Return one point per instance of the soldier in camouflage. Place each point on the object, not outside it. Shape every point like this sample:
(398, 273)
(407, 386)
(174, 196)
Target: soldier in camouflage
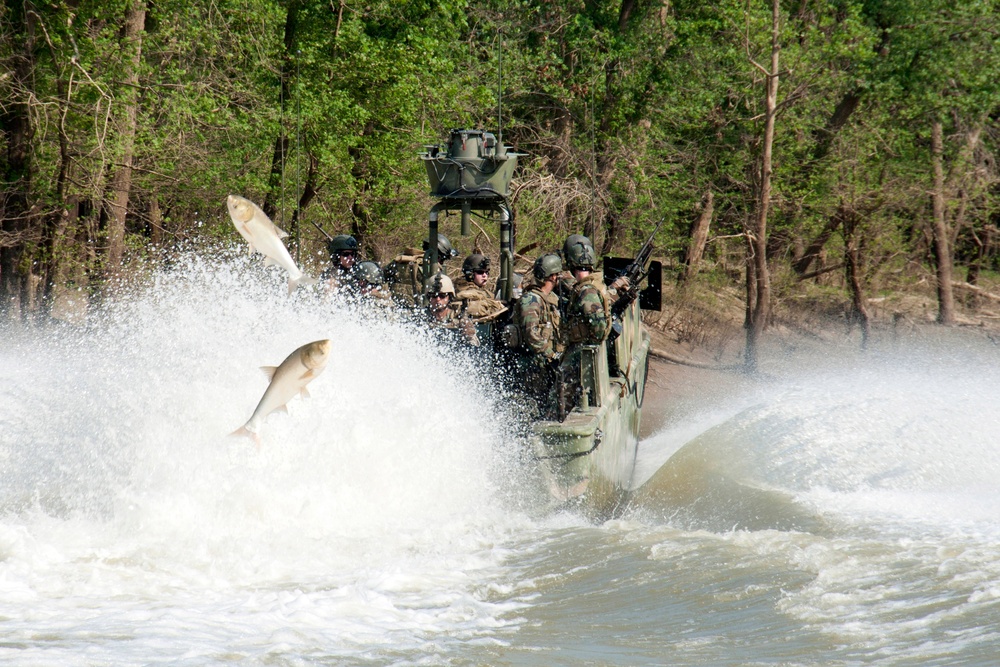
(537, 314)
(368, 288)
(588, 312)
(343, 250)
(442, 317)
(471, 289)
(537, 319)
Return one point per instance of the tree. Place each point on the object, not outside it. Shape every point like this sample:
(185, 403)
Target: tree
(116, 199)
(17, 168)
(758, 275)
(940, 74)
(582, 80)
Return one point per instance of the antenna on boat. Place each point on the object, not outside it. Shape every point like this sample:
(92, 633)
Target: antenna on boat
(500, 85)
(593, 168)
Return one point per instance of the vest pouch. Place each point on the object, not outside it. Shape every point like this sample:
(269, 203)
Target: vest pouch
(511, 336)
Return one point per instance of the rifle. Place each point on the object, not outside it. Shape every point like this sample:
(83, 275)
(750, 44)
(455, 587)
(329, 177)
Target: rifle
(635, 272)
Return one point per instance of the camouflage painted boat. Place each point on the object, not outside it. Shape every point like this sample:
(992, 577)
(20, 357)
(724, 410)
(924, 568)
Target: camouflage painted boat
(587, 454)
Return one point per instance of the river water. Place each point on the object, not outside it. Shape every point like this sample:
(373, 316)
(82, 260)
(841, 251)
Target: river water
(839, 514)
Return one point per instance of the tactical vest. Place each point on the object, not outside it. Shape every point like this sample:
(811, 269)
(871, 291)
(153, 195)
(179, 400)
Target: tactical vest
(548, 320)
(404, 276)
(576, 326)
(477, 301)
(459, 324)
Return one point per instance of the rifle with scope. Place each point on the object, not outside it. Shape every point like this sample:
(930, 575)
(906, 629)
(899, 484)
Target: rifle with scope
(636, 272)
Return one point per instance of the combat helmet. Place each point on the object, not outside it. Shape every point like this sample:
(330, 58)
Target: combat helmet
(579, 253)
(439, 283)
(445, 250)
(341, 243)
(547, 265)
(368, 274)
(475, 262)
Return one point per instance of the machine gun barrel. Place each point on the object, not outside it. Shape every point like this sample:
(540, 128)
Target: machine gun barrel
(636, 273)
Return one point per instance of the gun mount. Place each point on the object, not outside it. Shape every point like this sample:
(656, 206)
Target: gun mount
(472, 171)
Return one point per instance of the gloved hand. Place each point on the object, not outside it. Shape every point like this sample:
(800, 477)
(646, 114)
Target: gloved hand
(621, 283)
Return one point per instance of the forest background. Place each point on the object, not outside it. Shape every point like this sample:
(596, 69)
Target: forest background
(830, 150)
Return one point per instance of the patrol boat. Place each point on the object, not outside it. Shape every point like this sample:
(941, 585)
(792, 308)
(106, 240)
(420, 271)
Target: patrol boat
(585, 453)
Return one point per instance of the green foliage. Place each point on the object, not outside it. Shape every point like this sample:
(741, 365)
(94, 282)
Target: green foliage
(629, 111)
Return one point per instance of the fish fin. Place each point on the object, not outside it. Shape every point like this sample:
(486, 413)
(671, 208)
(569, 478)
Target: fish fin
(308, 280)
(269, 262)
(269, 371)
(282, 234)
(308, 375)
(281, 408)
(244, 431)
(304, 280)
(304, 393)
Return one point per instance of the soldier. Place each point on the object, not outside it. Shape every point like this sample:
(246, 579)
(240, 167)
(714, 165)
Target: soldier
(343, 250)
(368, 278)
(445, 252)
(367, 289)
(404, 274)
(537, 320)
(441, 315)
(588, 311)
(537, 315)
(471, 289)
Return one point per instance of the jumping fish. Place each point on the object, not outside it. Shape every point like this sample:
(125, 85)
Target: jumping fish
(265, 237)
(286, 381)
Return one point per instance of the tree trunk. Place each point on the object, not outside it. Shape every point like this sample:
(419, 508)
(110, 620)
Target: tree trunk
(852, 264)
(825, 137)
(758, 235)
(275, 184)
(815, 247)
(15, 124)
(117, 197)
(699, 237)
(942, 248)
(308, 193)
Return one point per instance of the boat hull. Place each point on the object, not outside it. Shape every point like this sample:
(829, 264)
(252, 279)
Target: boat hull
(589, 457)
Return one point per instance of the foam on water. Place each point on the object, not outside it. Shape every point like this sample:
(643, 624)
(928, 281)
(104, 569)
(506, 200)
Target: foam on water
(909, 435)
(871, 491)
(129, 518)
(848, 515)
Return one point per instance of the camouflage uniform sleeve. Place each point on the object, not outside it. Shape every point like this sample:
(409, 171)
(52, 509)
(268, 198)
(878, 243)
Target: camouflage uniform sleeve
(537, 333)
(591, 310)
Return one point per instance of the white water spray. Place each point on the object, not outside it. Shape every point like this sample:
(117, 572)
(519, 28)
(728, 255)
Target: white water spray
(121, 488)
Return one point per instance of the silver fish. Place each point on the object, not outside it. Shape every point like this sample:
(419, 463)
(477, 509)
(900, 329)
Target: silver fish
(265, 237)
(286, 381)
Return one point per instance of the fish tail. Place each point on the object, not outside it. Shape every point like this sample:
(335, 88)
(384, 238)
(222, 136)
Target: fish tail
(302, 280)
(244, 431)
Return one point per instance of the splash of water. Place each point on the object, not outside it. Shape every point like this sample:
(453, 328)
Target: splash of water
(120, 481)
(909, 434)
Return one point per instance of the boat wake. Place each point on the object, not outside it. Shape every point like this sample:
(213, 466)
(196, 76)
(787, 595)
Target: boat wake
(896, 439)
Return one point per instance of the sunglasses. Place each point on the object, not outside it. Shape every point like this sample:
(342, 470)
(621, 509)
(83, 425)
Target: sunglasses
(440, 295)
(482, 273)
(348, 253)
